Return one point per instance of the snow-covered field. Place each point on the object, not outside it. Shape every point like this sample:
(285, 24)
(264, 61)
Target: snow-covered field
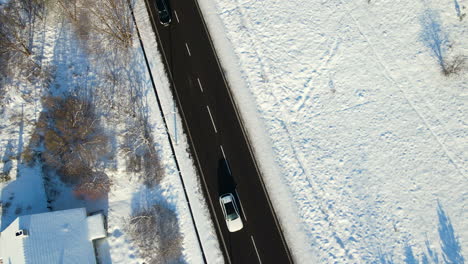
(362, 140)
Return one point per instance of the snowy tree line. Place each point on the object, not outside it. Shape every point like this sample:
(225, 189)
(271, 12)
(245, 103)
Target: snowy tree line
(80, 132)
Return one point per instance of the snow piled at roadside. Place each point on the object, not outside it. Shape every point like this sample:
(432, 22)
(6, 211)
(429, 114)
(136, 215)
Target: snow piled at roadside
(369, 136)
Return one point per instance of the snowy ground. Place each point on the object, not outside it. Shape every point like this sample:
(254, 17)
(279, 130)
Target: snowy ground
(361, 139)
(24, 192)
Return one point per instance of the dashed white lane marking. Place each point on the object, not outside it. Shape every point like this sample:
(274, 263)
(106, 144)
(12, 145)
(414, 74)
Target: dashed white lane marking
(222, 150)
(199, 84)
(212, 120)
(188, 50)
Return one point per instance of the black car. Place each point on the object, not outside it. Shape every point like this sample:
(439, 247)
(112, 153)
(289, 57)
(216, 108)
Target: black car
(164, 12)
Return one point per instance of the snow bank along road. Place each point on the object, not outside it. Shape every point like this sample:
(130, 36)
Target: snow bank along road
(217, 138)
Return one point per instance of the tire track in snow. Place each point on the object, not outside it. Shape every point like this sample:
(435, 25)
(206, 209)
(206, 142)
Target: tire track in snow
(326, 58)
(431, 110)
(300, 178)
(460, 168)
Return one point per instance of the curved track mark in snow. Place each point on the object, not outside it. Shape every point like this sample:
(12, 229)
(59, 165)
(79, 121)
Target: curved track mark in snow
(301, 177)
(459, 167)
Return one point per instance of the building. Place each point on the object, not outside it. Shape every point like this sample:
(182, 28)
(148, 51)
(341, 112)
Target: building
(54, 237)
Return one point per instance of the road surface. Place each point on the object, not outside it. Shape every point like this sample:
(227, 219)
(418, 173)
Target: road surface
(217, 140)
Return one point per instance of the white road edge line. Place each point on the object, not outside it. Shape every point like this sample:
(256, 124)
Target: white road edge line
(212, 120)
(194, 148)
(255, 247)
(199, 84)
(176, 16)
(227, 164)
(242, 207)
(188, 50)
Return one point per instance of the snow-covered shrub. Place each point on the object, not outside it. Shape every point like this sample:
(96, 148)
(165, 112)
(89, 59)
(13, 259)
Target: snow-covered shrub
(139, 147)
(96, 186)
(4, 177)
(28, 156)
(14, 36)
(74, 143)
(114, 20)
(108, 20)
(454, 66)
(17, 22)
(70, 9)
(155, 232)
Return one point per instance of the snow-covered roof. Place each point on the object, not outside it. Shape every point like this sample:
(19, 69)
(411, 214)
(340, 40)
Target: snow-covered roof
(53, 237)
(96, 226)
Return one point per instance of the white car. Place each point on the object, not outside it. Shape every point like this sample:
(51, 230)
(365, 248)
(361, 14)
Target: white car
(230, 212)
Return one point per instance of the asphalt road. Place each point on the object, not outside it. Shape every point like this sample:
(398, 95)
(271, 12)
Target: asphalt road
(217, 138)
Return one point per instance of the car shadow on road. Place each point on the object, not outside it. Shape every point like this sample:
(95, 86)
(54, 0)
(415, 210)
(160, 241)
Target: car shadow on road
(227, 184)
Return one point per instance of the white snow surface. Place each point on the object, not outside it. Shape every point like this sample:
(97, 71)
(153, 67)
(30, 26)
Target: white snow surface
(362, 141)
(96, 227)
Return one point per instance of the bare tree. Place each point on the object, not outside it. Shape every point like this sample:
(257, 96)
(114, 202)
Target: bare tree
(74, 142)
(18, 18)
(156, 233)
(436, 39)
(16, 25)
(96, 186)
(113, 19)
(139, 148)
(14, 37)
(70, 9)
(454, 66)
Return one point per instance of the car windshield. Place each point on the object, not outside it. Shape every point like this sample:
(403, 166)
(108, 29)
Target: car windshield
(230, 211)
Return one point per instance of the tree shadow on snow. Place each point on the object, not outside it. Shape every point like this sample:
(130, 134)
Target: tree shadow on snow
(409, 255)
(433, 37)
(451, 249)
(23, 192)
(6, 159)
(23, 196)
(384, 258)
(449, 243)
